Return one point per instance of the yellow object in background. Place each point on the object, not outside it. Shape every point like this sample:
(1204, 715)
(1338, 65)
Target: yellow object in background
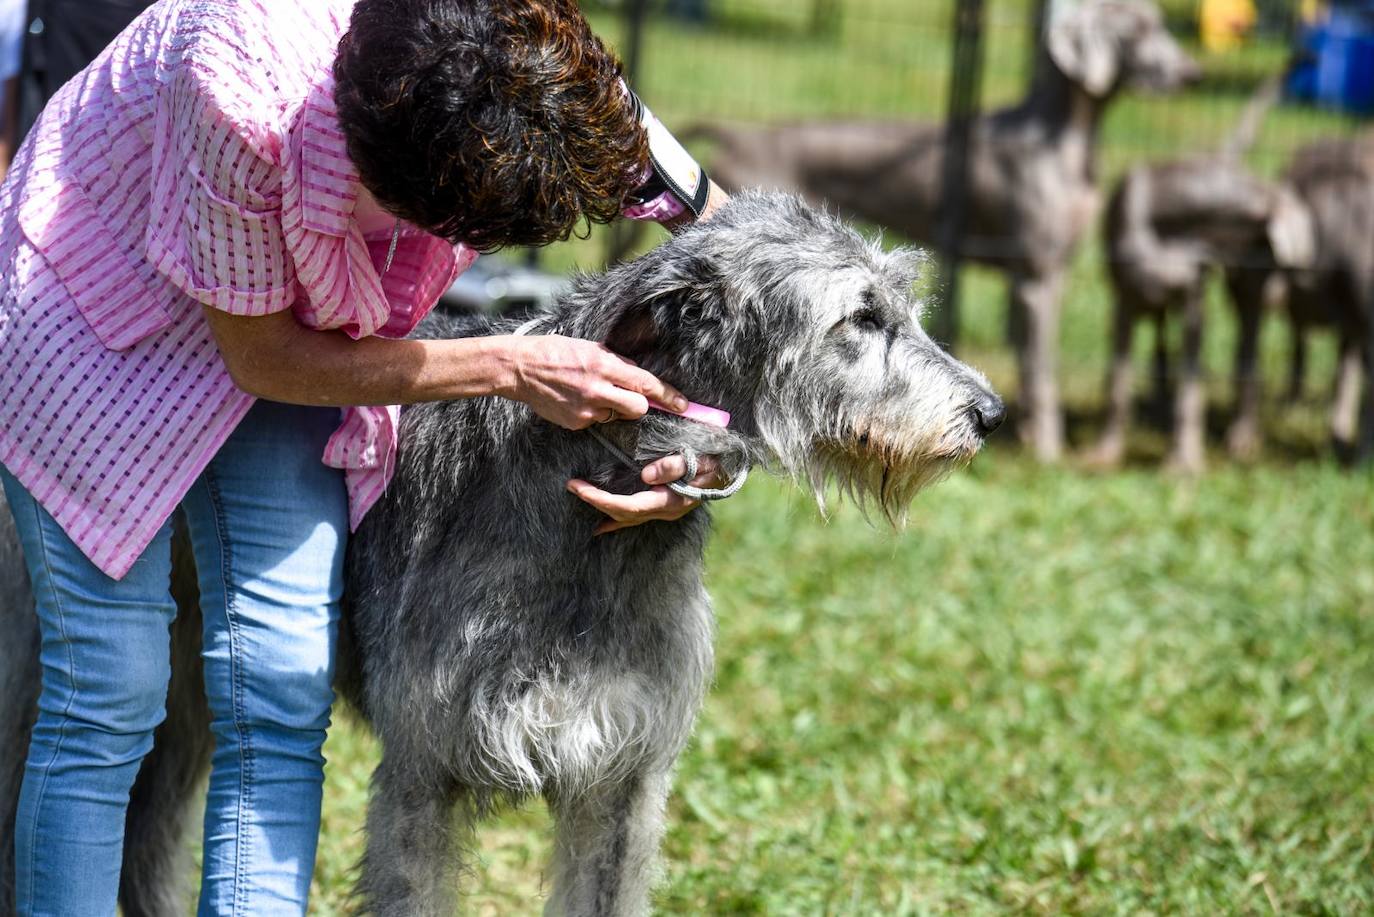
(1223, 24)
(1309, 11)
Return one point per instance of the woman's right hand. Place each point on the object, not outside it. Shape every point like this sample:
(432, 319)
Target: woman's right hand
(575, 383)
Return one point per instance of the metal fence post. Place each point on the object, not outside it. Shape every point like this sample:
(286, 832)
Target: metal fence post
(1039, 15)
(966, 70)
(825, 18)
(636, 14)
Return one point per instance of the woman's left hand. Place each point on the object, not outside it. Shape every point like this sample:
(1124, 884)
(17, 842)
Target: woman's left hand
(656, 503)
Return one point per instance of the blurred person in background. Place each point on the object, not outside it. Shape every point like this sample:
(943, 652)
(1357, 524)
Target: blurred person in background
(12, 26)
(63, 37)
(1224, 24)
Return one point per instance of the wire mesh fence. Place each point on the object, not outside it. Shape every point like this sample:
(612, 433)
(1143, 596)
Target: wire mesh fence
(771, 62)
(768, 61)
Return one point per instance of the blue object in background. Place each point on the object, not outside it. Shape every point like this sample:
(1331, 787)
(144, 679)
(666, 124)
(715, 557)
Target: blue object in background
(1336, 61)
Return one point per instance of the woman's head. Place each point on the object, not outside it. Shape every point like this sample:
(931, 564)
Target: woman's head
(490, 122)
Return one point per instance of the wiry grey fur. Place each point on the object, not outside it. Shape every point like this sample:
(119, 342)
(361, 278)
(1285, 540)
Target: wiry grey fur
(500, 651)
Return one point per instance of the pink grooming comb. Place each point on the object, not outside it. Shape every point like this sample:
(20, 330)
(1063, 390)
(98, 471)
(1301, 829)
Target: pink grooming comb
(701, 413)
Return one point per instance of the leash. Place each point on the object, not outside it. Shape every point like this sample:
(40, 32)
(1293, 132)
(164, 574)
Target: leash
(683, 486)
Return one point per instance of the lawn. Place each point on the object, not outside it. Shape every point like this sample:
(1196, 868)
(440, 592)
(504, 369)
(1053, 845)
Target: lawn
(1054, 691)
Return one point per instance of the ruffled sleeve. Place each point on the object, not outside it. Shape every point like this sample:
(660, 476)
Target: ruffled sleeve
(215, 221)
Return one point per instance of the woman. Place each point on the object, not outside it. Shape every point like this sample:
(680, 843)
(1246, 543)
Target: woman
(209, 244)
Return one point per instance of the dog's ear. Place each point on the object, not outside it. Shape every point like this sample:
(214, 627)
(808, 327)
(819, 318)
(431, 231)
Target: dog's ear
(680, 295)
(634, 334)
(1084, 49)
(908, 267)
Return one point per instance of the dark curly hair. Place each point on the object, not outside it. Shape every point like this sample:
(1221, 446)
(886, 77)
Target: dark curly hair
(489, 122)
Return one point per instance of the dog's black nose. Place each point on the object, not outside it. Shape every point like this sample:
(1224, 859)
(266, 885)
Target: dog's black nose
(988, 414)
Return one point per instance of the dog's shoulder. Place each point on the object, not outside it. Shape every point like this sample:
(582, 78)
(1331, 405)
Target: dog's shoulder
(442, 324)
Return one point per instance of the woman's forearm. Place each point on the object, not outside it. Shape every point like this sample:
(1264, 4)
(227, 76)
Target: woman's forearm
(570, 382)
(276, 358)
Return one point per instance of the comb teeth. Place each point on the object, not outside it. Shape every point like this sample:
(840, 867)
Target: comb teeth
(701, 413)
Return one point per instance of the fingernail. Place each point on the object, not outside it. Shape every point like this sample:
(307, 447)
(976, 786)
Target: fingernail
(680, 404)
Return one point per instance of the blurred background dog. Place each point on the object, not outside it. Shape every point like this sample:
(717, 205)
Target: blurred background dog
(1032, 174)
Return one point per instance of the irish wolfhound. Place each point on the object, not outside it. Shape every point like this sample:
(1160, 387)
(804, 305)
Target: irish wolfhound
(1032, 171)
(500, 651)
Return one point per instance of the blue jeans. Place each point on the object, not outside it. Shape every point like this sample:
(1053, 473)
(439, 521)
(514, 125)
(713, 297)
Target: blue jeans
(268, 525)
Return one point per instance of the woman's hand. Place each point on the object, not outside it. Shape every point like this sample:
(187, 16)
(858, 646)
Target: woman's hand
(657, 503)
(575, 383)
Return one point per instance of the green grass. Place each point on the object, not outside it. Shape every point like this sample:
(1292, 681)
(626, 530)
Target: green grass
(1054, 692)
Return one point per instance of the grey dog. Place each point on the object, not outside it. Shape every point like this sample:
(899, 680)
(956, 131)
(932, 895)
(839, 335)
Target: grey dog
(1335, 180)
(1168, 225)
(502, 652)
(1033, 190)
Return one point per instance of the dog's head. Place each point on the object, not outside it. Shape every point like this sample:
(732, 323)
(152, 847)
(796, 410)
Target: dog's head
(1104, 45)
(811, 337)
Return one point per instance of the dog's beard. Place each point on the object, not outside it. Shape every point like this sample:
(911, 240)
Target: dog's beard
(876, 475)
(876, 463)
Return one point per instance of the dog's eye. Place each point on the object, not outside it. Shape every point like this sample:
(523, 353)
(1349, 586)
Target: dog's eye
(867, 320)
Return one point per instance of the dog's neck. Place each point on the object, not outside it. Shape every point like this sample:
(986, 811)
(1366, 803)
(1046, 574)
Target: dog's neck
(659, 433)
(1070, 114)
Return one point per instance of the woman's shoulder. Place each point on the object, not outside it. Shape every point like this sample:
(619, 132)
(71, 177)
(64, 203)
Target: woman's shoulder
(254, 59)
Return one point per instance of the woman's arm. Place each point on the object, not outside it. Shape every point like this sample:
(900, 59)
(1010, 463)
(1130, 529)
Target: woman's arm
(570, 382)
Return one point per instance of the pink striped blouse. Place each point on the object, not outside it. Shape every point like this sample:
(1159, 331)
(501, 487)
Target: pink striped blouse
(197, 160)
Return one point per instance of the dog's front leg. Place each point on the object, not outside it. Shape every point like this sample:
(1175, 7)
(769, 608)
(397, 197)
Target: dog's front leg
(1247, 293)
(1364, 289)
(1345, 406)
(606, 850)
(1297, 363)
(1190, 400)
(1112, 446)
(1037, 296)
(411, 853)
